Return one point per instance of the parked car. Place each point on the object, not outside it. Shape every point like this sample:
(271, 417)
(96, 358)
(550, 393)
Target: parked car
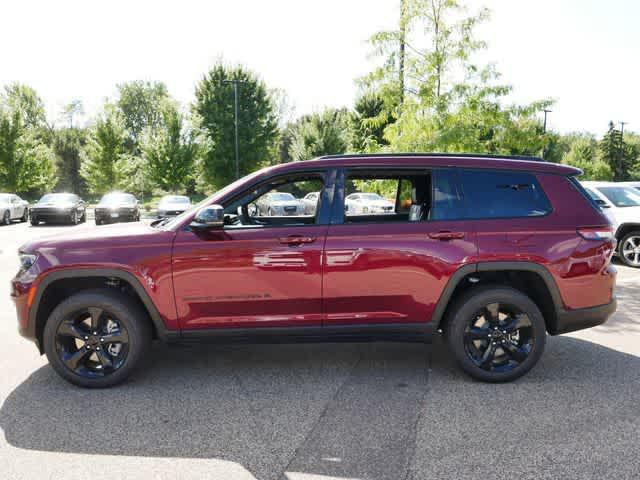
(12, 207)
(117, 207)
(310, 201)
(59, 207)
(635, 185)
(279, 204)
(496, 253)
(172, 205)
(621, 204)
(367, 204)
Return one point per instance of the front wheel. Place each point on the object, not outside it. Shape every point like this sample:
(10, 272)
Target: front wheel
(496, 333)
(6, 217)
(73, 219)
(96, 338)
(629, 249)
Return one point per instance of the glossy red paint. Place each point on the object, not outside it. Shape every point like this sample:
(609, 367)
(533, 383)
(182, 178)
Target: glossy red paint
(342, 274)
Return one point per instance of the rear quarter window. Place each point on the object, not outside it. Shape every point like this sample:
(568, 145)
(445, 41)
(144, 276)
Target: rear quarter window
(502, 194)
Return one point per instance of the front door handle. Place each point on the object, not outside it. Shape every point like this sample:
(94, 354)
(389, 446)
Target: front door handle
(296, 240)
(446, 235)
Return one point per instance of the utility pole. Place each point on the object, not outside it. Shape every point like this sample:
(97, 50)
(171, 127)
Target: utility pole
(403, 34)
(544, 127)
(235, 83)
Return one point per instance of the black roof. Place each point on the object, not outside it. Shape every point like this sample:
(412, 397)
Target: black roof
(432, 155)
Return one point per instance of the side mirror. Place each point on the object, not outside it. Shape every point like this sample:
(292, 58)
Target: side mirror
(211, 216)
(602, 204)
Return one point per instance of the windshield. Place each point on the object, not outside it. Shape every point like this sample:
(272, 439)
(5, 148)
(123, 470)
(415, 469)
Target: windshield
(57, 197)
(282, 196)
(126, 198)
(622, 196)
(175, 199)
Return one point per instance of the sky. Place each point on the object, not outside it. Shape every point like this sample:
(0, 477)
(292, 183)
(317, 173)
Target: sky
(581, 53)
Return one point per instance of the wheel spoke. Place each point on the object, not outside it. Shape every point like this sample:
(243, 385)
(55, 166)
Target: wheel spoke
(491, 313)
(68, 329)
(518, 354)
(105, 359)
(74, 359)
(476, 333)
(487, 357)
(517, 322)
(95, 313)
(115, 337)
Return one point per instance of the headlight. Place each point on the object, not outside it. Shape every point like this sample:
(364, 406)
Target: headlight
(26, 260)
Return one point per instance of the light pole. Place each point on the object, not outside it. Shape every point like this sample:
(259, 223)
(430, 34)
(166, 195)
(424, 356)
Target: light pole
(544, 127)
(235, 83)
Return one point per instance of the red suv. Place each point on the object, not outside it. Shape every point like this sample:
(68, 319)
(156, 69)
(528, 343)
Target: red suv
(493, 252)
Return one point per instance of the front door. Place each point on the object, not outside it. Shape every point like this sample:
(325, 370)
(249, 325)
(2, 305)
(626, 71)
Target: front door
(390, 266)
(264, 268)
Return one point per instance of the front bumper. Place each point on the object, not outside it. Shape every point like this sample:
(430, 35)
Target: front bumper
(581, 318)
(122, 214)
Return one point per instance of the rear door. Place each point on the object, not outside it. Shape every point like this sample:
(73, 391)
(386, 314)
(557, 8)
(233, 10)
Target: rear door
(383, 267)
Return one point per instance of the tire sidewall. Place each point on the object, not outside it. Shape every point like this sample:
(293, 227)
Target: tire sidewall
(623, 259)
(468, 305)
(6, 218)
(127, 312)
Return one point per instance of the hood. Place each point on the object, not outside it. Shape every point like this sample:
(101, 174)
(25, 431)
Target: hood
(115, 205)
(173, 206)
(88, 238)
(379, 203)
(285, 203)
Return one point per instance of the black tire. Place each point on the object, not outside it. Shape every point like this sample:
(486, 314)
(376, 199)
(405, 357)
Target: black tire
(99, 221)
(630, 244)
(114, 306)
(34, 221)
(495, 354)
(25, 215)
(83, 218)
(6, 218)
(73, 218)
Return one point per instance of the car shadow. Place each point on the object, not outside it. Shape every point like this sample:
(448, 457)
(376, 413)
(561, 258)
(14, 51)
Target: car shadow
(346, 410)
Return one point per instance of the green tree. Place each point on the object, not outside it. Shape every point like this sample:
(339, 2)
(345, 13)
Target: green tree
(67, 145)
(141, 104)
(369, 121)
(214, 106)
(319, 134)
(27, 165)
(584, 155)
(618, 154)
(104, 157)
(26, 102)
(170, 151)
(73, 109)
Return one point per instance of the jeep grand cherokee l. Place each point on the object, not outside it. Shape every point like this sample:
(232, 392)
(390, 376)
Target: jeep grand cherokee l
(493, 252)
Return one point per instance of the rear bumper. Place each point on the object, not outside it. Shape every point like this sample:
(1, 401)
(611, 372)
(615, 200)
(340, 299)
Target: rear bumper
(581, 318)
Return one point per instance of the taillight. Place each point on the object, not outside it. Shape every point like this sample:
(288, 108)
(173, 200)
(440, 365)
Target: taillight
(596, 233)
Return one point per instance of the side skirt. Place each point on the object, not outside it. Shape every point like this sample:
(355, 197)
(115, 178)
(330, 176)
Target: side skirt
(414, 333)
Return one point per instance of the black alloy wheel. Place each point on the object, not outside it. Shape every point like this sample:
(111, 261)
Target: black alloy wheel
(496, 333)
(498, 337)
(92, 343)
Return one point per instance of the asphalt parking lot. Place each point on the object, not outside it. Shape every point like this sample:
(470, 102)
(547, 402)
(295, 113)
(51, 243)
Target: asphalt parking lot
(329, 411)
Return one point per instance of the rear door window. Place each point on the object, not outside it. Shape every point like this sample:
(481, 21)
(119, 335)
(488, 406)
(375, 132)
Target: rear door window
(502, 194)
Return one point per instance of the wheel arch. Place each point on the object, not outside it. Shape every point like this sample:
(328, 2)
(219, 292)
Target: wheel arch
(68, 281)
(626, 228)
(532, 279)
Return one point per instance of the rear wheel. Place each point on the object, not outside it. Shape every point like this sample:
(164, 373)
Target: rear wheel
(96, 338)
(496, 333)
(629, 249)
(6, 217)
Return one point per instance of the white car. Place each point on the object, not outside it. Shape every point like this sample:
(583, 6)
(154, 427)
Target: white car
(279, 204)
(310, 201)
(172, 205)
(367, 204)
(621, 204)
(12, 207)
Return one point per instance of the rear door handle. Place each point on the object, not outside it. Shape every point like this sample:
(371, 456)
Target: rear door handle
(446, 235)
(296, 240)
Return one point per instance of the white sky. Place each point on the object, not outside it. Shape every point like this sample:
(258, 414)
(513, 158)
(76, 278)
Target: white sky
(583, 53)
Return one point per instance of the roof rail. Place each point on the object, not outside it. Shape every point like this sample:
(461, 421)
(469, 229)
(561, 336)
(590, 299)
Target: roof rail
(428, 155)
